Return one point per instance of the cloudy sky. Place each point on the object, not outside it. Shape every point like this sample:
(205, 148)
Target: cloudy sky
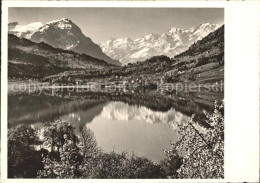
(101, 24)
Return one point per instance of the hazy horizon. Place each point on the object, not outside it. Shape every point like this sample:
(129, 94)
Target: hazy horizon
(101, 24)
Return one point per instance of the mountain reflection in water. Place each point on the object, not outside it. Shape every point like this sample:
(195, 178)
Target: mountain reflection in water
(139, 123)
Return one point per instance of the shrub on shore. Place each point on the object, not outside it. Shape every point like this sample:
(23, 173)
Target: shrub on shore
(199, 153)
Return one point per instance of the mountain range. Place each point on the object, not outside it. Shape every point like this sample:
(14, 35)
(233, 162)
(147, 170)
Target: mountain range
(171, 43)
(203, 60)
(63, 34)
(125, 112)
(30, 59)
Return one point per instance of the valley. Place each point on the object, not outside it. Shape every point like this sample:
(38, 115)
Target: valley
(170, 43)
(202, 63)
(136, 108)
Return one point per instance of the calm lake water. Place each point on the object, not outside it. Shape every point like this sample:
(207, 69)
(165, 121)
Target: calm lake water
(143, 123)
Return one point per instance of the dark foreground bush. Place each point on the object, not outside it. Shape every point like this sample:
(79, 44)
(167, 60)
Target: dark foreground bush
(72, 156)
(125, 166)
(77, 156)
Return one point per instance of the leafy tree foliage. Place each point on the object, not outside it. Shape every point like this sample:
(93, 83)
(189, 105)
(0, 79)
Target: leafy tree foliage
(22, 158)
(199, 153)
(123, 165)
(55, 135)
(83, 159)
(67, 166)
(171, 163)
(202, 149)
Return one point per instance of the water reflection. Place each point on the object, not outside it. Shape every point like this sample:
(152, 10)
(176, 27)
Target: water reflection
(143, 123)
(126, 112)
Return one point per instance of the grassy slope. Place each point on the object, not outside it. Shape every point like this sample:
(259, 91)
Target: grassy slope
(204, 59)
(25, 57)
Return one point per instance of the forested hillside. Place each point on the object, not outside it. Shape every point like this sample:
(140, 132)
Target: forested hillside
(36, 60)
(204, 59)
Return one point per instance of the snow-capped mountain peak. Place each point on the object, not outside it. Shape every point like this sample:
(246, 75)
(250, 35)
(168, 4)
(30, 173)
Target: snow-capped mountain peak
(151, 36)
(26, 30)
(12, 25)
(64, 34)
(62, 24)
(206, 24)
(205, 27)
(125, 40)
(171, 43)
(174, 30)
(59, 20)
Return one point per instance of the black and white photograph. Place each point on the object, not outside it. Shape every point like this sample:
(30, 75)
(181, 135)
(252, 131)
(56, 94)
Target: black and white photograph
(116, 93)
(129, 91)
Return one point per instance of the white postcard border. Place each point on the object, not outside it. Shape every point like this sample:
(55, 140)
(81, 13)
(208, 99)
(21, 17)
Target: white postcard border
(241, 85)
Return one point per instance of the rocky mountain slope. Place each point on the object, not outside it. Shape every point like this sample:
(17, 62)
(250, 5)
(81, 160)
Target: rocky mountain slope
(62, 34)
(12, 26)
(204, 60)
(171, 43)
(30, 59)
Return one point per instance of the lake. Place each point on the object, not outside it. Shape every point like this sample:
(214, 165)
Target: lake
(142, 122)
